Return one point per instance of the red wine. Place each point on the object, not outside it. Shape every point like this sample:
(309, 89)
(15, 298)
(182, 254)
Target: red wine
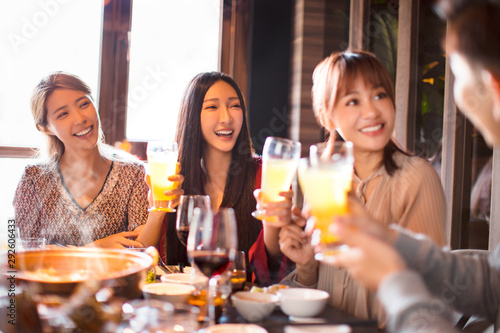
(183, 233)
(211, 263)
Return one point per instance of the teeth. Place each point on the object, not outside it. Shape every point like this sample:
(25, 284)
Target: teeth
(224, 132)
(371, 129)
(85, 131)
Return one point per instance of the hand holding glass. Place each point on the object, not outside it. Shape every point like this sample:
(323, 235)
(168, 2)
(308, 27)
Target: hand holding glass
(326, 178)
(162, 160)
(279, 163)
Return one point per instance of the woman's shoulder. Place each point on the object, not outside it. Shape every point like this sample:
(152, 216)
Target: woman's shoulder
(38, 175)
(129, 166)
(414, 167)
(119, 155)
(39, 169)
(257, 161)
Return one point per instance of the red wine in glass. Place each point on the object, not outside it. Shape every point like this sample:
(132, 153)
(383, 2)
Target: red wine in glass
(211, 245)
(185, 213)
(210, 263)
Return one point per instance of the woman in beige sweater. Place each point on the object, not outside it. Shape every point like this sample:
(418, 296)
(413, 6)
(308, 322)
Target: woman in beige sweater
(353, 96)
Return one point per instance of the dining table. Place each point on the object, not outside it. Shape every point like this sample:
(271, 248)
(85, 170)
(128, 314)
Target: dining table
(277, 322)
(330, 316)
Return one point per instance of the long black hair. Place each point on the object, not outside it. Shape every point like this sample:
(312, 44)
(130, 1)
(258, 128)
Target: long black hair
(240, 182)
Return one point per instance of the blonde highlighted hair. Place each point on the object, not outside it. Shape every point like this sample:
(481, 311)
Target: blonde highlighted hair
(56, 80)
(336, 75)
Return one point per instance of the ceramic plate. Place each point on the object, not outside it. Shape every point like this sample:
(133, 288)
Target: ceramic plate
(184, 278)
(236, 328)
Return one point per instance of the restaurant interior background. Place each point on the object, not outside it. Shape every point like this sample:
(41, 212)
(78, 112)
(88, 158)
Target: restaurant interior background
(138, 57)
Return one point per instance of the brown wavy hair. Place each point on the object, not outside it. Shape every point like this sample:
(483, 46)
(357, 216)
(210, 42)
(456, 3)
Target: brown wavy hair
(335, 76)
(47, 85)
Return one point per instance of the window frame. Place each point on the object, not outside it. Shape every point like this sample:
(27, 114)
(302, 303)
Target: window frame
(456, 165)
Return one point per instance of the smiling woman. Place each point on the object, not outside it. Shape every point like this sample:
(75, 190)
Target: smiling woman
(83, 191)
(353, 96)
(216, 157)
(221, 117)
(32, 47)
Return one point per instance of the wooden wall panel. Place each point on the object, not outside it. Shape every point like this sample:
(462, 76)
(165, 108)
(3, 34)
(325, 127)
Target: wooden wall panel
(308, 50)
(406, 73)
(495, 201)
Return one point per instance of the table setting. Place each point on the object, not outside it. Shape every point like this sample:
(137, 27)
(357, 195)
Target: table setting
(65, 290)
(70, 289)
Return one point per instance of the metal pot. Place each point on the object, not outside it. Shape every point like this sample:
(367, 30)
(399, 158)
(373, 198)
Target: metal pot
(60, 271)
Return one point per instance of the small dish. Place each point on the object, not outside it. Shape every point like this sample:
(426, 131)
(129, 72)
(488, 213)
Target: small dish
(302, 302)
(318, 329)
(170, 292)
(236, 328)
(185, 278)
(254, 306)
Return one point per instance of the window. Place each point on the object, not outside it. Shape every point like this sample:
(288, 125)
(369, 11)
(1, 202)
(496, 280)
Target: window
(39, 37)
(170, 42)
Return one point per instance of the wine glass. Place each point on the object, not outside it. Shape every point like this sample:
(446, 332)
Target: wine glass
(162, 160)
(280, 157)
(212, 244)
(326, 178)
(185, 213)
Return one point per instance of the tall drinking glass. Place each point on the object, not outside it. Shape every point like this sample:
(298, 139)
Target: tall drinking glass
(212, 244)
(325, 178)
(279, 163)
(162, 160)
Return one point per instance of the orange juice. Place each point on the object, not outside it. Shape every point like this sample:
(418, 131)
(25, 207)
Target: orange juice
(161, 167)
(277, 175)
(326, 192)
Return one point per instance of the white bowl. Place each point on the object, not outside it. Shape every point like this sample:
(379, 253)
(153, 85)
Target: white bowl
(236, 328)
(170, 292)
(184, 278)
(302, 302)
(254, 306)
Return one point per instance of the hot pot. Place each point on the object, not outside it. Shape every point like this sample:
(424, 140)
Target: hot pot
(60, 271)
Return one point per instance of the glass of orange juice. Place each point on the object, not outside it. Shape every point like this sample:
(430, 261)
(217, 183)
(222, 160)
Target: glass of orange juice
(326, 178)
(162, 160)
(280, 158)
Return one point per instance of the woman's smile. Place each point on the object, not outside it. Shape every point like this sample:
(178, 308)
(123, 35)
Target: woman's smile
(224, 134)
(221, 117)
(373, 130)
(85, 133)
